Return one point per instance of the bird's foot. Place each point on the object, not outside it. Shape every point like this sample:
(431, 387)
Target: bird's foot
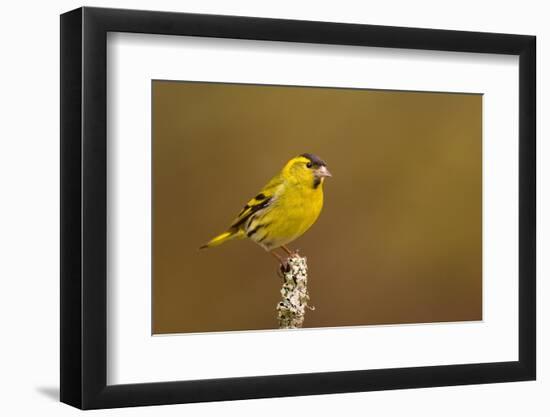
(284, 267)
(290, 252)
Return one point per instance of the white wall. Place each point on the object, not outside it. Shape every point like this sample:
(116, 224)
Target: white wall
(29, 207)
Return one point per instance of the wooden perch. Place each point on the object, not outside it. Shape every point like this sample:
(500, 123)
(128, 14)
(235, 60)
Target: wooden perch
(291, 309)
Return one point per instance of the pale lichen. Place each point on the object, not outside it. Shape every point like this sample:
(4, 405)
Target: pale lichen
(292, 308)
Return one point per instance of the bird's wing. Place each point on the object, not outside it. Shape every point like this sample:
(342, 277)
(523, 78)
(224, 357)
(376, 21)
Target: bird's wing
(263, 199)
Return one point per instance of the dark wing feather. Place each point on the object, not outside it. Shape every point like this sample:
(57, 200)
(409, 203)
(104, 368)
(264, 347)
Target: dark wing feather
(251, 207)
(261, 201)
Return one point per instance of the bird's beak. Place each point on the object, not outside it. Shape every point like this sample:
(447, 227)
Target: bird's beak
(322, 171)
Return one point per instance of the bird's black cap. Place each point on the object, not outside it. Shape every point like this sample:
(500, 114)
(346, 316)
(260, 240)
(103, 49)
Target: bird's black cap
(315, 160)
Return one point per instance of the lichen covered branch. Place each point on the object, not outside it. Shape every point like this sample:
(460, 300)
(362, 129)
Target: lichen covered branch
(292, 308)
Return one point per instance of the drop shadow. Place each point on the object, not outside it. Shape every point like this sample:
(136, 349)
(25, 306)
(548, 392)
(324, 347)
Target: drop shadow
(50, 392)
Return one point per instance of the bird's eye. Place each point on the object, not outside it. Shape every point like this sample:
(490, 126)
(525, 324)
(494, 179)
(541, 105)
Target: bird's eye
(309, 165)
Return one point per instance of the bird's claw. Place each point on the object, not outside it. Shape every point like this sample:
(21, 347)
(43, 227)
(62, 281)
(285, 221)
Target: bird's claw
(284, 267)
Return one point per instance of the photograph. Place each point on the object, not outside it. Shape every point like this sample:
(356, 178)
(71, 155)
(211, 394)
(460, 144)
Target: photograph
(278, 207)
(282, 204)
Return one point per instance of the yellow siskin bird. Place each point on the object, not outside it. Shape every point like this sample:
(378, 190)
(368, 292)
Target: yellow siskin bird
(284, 209)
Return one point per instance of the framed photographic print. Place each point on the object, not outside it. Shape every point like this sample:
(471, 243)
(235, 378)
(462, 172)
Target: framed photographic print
(258, 207)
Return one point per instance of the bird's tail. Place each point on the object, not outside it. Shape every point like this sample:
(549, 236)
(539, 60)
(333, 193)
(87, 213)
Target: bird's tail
(218, 240)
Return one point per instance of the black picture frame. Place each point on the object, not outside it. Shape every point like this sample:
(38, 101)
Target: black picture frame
(84, 207)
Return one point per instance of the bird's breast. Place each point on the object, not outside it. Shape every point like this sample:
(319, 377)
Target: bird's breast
(290, 216)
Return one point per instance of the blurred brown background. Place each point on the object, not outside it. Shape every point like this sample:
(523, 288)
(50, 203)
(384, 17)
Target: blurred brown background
(399, 238)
